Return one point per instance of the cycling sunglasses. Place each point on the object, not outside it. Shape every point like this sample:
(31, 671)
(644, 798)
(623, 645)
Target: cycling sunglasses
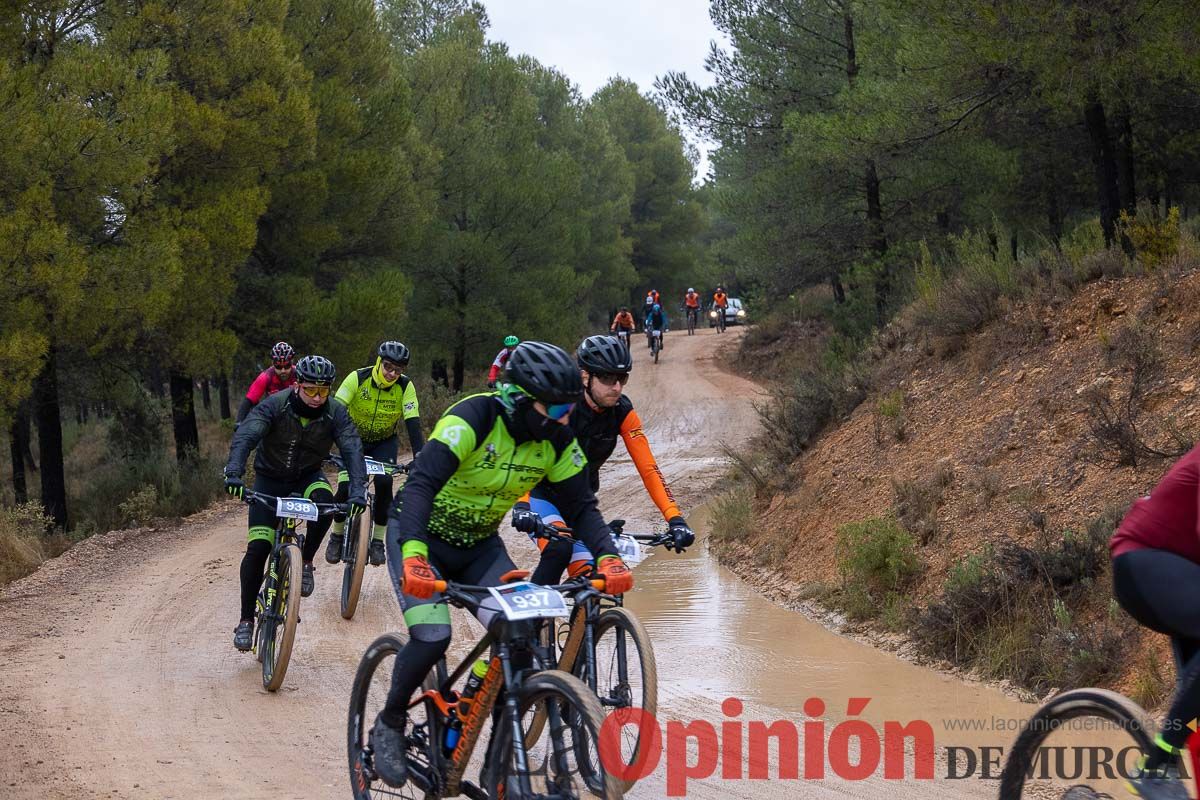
(315, 391)
(559, 410)
(283, 364)
(612, 378)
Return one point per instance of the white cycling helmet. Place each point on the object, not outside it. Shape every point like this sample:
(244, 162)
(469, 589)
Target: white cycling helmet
(690, 289)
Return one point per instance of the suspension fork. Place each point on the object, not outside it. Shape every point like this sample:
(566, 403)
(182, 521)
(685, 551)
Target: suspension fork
(512, 711)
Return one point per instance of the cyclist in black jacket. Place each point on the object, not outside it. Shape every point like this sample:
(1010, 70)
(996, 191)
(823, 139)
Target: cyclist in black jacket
(294, 430)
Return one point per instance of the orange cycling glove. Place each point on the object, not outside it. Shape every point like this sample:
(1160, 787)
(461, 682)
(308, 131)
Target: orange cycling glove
(419, 580)
(617, 577)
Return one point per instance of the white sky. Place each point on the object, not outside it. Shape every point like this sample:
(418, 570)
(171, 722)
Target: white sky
(590, 41)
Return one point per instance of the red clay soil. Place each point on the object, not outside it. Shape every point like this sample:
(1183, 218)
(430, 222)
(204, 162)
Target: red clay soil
(1006, 412)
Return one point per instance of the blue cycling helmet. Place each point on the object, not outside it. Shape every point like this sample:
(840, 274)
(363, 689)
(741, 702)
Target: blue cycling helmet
(657, 307)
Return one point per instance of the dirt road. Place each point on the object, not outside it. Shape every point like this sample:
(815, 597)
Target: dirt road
(118, 678)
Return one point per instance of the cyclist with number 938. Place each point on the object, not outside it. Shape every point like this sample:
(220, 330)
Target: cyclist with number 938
(485, 452)
(293, 431)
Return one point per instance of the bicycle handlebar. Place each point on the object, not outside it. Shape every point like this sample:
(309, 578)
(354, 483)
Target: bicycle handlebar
(250, 497)
(390, 467)
(461, 594)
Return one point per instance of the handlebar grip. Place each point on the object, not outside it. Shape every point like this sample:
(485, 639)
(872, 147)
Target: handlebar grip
(441, 585)
(598, 584)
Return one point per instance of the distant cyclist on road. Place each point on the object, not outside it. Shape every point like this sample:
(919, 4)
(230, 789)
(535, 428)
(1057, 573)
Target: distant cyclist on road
(604, 415)
(623, 321)
(691, 305)
(378, 397)
(1156, 579)
(293, 432)
(276, 378)
(510, 342)
(484, 454)
(652, 297)
(656, 320)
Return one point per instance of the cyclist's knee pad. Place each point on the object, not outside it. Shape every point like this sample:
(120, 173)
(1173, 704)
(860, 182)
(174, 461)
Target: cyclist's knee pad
(431, 635)
(258, 548)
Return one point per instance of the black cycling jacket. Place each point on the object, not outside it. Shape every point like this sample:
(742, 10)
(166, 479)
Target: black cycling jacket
(291, 446)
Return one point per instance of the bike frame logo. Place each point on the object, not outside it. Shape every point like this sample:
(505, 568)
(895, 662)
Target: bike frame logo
(695, 749)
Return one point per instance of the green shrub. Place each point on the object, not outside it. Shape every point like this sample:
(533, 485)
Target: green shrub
(970, 290)
(1155, 238)
(732, 515)
(1011, 612)
(890, 419)
(877, 554)
(140, 506)
(22, 540)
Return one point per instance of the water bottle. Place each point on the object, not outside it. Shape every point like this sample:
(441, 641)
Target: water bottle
(474, 681)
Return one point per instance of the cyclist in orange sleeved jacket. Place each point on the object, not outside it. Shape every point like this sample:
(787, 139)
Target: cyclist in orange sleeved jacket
(623, 321)
(605, 415)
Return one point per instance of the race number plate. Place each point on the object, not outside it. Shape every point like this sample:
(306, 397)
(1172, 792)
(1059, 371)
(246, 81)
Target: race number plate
(375, 468)
(629, 549)
(296, 508)
(526, 600)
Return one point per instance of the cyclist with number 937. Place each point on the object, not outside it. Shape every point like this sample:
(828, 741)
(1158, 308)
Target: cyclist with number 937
(293, 431)
(485, 452)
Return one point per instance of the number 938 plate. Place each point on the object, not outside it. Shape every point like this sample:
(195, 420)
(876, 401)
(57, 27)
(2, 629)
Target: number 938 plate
(525, 600)
(296, 508)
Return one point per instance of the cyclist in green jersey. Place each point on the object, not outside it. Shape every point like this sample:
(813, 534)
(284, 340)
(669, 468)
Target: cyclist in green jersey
(378, 398)
(486, 451)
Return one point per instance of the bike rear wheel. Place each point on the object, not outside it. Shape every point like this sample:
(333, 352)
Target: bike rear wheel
(368, 693)
(358, 535)
(1125, 719)
(573, 721)
(278, 631)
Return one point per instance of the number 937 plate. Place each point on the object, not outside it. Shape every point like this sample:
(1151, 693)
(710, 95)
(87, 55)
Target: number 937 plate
(526, 600)
(296, 508)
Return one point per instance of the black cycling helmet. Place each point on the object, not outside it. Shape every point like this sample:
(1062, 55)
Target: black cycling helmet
(315, 369)
(604, 354)
(395, 352)
(544, 371)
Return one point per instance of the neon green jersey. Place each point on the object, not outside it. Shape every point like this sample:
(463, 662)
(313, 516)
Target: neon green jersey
(493, 470)
(375, 409)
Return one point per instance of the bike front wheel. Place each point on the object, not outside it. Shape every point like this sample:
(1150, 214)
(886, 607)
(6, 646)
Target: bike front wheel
(626, 679)
(358, 542)
(368, 693)
(1105, 718)
(277, 632)
(552, 764)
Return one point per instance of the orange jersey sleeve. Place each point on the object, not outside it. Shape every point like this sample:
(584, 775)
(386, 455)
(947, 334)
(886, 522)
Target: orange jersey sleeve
(647, 467)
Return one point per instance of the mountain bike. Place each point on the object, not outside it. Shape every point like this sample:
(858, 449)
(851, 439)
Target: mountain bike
(606, 647)
(1102, 715)
(623, 335)
(656, 343)
(692, 313)
(357, 540)
(277, 609)
(440, 740)
(719, 318)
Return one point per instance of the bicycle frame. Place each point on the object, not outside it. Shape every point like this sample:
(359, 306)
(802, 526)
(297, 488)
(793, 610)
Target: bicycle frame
(446, 772)
(286, 533)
